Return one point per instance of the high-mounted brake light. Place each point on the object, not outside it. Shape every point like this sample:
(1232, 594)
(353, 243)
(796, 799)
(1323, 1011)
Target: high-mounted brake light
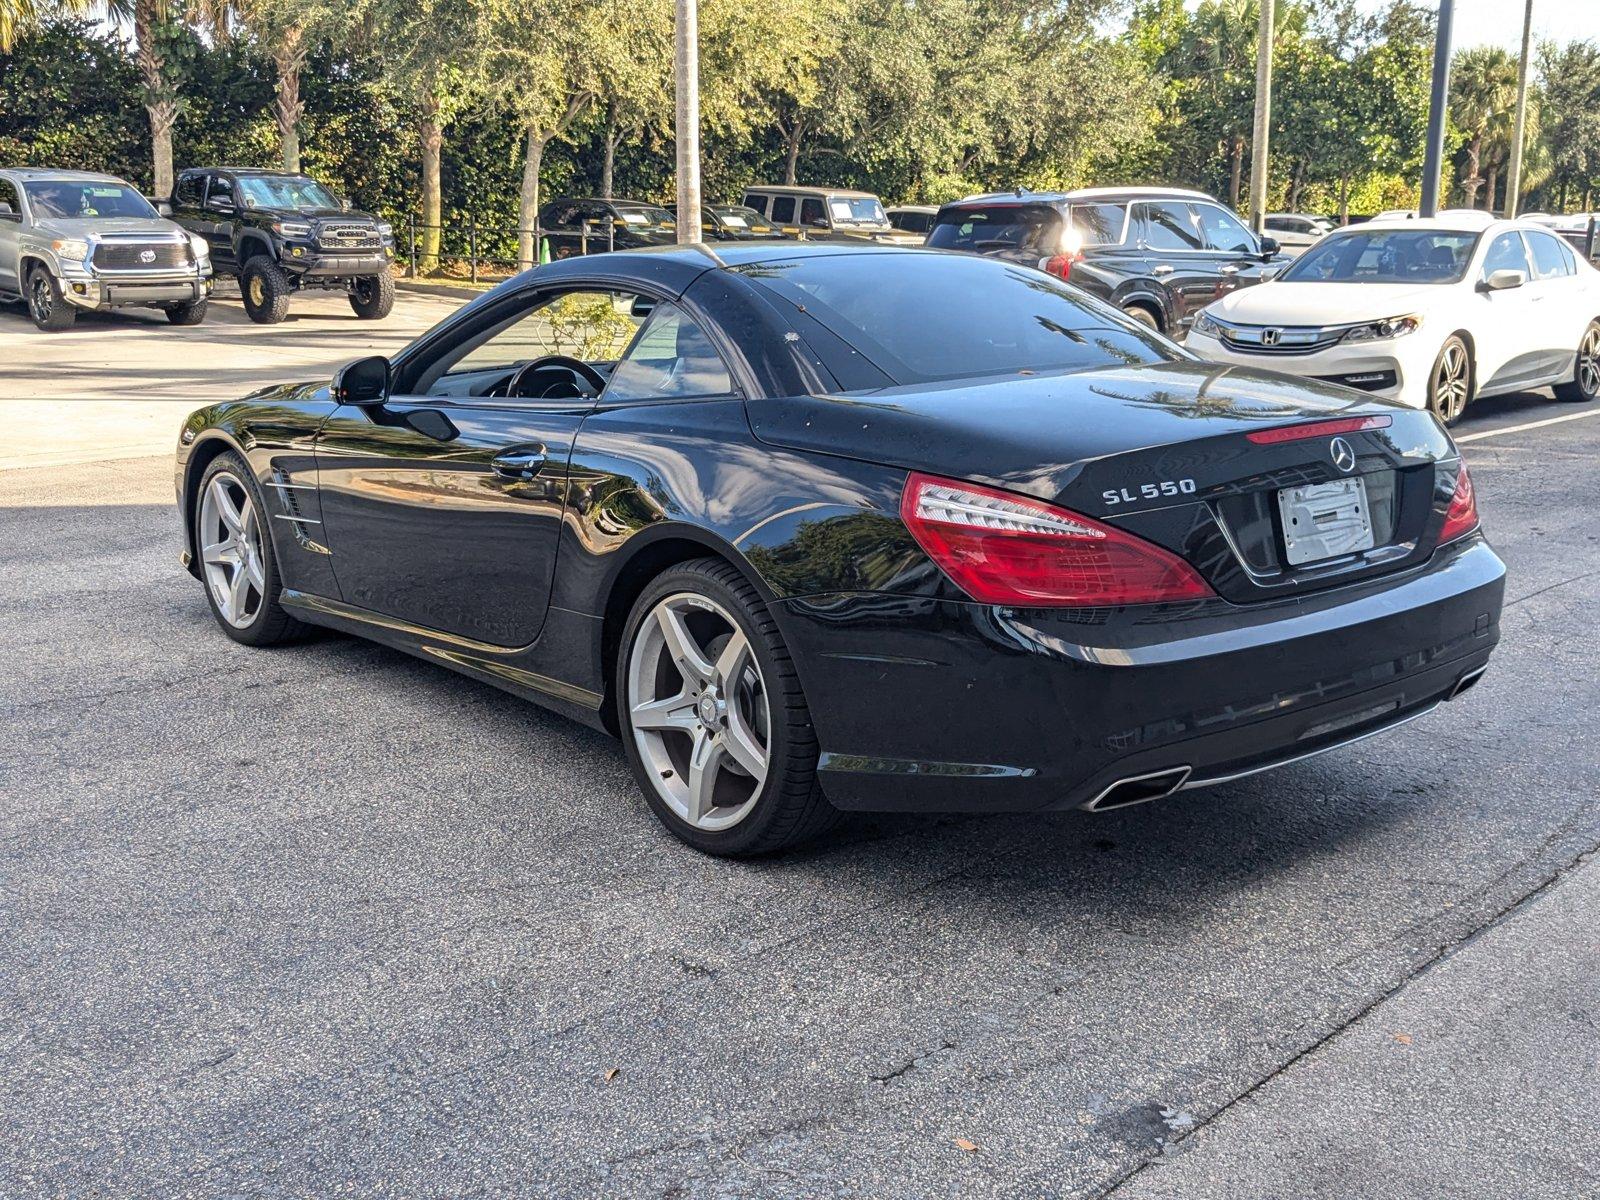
(1295, 433)
(1462, 516)
(1001, 548)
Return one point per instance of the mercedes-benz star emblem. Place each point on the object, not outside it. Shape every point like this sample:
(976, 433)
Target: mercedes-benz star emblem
(1343, 456)
(147, 256)
(1269, 337)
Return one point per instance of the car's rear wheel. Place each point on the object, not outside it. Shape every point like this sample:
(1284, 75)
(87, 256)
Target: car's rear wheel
(265, 289)
(713, 717)
(49, 311)
(372, 296)
(1450, 383)
(1142, 315)
(1584, 385)
(235, 555)
(191, 313)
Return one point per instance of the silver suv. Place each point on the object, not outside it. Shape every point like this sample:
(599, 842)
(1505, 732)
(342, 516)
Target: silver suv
(73, 240)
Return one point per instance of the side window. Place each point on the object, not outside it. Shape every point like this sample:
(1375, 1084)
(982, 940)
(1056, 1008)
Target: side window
(10, 201)
(1506, 253)
(189, 190)
(561, 216)
(756, 201)
(671, 359)
(219, 188)
(811, 211)
(1569, 255)
(783, 210)
(1548, 261)
(1222, 231)
(1169, 227)
(592, 326)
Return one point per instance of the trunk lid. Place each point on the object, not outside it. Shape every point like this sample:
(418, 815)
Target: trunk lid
(1163, 451)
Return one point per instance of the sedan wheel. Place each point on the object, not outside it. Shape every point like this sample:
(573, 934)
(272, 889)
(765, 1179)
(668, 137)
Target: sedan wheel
(1450, 387)
(1585, 382)
(698, 706)
(713, 716)
(230, 550)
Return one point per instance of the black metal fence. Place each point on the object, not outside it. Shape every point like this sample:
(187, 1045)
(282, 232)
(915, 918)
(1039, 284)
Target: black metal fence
(477, 250)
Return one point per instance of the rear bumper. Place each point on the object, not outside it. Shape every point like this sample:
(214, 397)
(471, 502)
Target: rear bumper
(929, 705)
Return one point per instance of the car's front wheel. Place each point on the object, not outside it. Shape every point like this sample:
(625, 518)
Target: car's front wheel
(265, 289)
(235, 555)
(713, 718)
(191, 313)
(372, 296)
(1450, 383)
(1585, 382)
(50, 312)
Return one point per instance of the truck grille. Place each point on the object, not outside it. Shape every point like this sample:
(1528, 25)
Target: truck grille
(136, 256)
(349, 237)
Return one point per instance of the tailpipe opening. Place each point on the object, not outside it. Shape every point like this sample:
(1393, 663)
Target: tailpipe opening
(1137, 789)
(1466, 682)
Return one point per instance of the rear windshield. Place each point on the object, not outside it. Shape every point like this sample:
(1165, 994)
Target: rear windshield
(922, 317)
(1386, 256)
(1000, 227)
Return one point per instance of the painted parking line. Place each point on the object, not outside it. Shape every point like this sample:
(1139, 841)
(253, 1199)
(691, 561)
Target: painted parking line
(1489, 433)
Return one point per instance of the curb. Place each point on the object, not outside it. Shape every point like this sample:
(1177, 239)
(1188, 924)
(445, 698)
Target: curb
(438, 289)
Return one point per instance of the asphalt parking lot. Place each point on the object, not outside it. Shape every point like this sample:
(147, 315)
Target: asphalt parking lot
(327, 921)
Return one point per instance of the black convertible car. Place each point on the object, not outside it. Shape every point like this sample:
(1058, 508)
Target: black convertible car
(826, 527)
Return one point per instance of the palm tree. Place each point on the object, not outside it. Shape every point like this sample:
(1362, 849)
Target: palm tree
(1483, 101)
(18, 16)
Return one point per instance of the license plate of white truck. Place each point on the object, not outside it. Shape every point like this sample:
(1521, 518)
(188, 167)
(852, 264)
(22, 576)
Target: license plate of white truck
(1325, 520)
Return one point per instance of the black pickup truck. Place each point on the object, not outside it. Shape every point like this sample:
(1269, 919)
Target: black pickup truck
(280, 234)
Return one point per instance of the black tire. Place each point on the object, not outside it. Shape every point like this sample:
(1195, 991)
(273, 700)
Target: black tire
(264, 288)
(790, 807)
(271, 624)
(1584, 385)
(1143, 315)
(372, 296)
(49, 311)
(1450, 382)
(191, 313)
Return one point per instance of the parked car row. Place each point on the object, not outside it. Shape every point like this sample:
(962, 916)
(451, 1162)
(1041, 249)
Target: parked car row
(80, 241)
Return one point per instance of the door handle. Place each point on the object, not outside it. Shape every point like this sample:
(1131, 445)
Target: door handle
(518, 462)
(1161, 269)
(1229, 269)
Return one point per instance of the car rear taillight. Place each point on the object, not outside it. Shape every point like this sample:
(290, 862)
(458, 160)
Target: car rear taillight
(1299, 433)
(1059, 265)
(1462, 516)
(1002, 548)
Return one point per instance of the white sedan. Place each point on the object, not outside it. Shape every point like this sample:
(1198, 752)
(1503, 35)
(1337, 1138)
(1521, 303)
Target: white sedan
(1430, 312)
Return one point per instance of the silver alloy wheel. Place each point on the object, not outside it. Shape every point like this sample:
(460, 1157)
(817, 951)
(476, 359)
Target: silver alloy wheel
(698, 707)
(229, 537)
(1451, 379)
(40, 298)
(1589, 362)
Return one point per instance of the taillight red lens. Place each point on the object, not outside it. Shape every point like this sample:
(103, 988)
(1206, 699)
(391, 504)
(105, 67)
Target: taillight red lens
(1059, 265)
(1462, 516)
(1001, 548)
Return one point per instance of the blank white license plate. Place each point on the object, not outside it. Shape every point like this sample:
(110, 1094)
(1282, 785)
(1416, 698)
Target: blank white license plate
(1325, 520)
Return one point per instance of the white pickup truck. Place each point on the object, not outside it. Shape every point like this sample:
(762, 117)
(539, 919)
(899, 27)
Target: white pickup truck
(75, 240)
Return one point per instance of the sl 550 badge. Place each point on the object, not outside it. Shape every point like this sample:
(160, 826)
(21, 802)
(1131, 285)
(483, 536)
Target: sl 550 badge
(1149, 491)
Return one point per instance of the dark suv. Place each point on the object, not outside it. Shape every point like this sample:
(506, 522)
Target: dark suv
(281, 233)
(587, 226)
(1159, 254)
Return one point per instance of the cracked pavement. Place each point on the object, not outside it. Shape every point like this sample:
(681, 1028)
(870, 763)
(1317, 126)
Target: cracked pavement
(329, 921)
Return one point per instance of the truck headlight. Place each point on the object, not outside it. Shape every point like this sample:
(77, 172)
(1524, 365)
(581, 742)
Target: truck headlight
(1389, 327)
(200, 248)
(296, 230)
(385, 230)
(71, 249)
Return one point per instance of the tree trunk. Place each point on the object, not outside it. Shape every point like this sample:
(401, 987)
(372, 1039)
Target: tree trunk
(608, 165)
(1235, 170)
(1344, 200)
(160, 101)
(287, 58)
(528, 207)
(1473, 180)
(791, 160)
(1493, 182)
(432, 138)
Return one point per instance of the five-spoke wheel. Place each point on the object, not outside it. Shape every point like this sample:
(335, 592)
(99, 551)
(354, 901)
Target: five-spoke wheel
(1450, 386)
(1584, 385)
(230, 550)
(713, 716)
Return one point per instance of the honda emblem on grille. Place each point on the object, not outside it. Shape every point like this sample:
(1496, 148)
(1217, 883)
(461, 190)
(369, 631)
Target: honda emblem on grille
(147, 256)
(1269, 337)
(1343, 456)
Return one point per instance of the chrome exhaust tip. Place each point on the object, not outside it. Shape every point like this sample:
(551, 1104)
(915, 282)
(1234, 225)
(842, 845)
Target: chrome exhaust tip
(1138, 789)
(1466, 682)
